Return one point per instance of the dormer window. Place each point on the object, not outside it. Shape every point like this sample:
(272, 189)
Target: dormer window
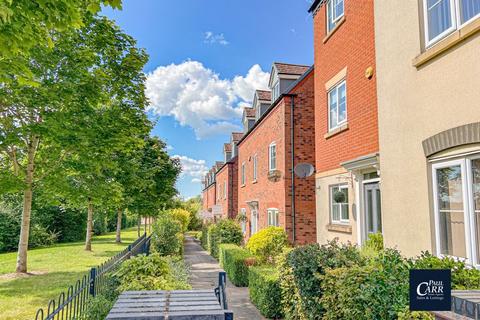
(335, 11)
(276, 91)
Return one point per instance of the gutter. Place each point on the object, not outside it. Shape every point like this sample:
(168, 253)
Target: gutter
(292, 152)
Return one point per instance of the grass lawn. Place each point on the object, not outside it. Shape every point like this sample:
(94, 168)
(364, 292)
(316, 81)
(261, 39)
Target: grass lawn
(59, 266)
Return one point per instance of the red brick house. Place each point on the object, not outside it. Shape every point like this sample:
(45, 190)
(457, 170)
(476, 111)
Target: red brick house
(227, 184)
(265, 154)
(209, 194)
(346, 122)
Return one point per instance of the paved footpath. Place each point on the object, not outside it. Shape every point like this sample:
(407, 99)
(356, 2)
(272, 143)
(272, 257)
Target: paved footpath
(204, 275)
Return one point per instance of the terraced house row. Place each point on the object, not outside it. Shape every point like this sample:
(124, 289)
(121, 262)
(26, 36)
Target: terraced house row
(389, 118)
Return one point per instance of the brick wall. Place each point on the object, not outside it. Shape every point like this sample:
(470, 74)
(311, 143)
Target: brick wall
(304, 152)
(228, 200)
(269, 194)
(352, 46)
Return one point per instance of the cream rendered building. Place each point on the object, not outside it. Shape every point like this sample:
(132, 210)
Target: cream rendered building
(428, 71)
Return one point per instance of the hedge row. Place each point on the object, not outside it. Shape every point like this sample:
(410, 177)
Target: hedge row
(265, 293)
(233, 259)
(224, 231)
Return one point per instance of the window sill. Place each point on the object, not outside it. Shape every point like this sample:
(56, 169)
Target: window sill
(254, 181)
(337, 26)
(336, 227)
(243, 185)
(336, 131)
(446, 43)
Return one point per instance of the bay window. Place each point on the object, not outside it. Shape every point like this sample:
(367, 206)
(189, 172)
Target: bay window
(456, 187)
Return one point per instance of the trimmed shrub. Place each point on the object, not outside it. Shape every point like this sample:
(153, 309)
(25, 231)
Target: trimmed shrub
(167, 238)
(301, 276)
(378, 290)
(204, 237)
(224, 231)
(265, 293)
(182, 216)
(463, 278)
(97, 308)
(151, 272)
(267, 244)
(41, 237)
(232, 259)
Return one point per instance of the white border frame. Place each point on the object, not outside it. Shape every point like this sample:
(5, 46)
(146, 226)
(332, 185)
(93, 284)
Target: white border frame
(340, 186)
(243, 174)
(468, 245)
(335, 87)
(273, 144)
(254, 168)
(277, 212)
(455, 20)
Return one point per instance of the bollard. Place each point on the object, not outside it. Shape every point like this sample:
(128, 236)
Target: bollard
(93, 275)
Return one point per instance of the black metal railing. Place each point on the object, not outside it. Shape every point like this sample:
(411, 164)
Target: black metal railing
(221, 293)
(73, 304)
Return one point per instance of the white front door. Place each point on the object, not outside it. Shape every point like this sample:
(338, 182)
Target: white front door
(372, 208)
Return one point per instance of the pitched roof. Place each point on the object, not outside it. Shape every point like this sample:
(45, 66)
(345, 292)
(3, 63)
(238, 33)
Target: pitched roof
(287, 68)
(315, 4)
(264, 95)
(237, 136)
(249, 112)
(227, 147)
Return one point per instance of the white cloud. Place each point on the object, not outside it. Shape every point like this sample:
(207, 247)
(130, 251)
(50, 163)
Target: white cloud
(169, 147)
(197, 97)
(212, 38)
(195, 169)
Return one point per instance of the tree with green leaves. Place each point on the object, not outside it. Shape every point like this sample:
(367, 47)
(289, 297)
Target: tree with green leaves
(89, 73)
(26, 25)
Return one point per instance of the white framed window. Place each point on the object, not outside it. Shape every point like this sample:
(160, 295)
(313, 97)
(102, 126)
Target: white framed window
(272, 156)
(243, 174)
(337, 105)
(225, 189)
(276, 91)
(441, 17)
(335, 11)
(456, 194)
(272, 215)
(243, 224)
(253, 222)
(339, 207)
(254, 164)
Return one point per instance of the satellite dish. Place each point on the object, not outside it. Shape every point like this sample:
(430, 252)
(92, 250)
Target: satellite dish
(303, 170)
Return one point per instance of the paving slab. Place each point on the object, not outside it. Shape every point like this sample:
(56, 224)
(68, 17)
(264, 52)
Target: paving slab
(204, 271)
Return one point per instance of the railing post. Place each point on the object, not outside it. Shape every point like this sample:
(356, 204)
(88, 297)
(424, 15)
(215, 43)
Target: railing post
(93, 275)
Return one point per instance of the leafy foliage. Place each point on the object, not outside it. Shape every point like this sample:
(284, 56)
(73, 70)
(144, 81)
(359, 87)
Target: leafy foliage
(224, 231)
(167, 238)
(300, 276)
(233, 260)
(182, 216)
(97, 308)
(463, 277)
(265, 293)
(377, 290)
(151, 272)
(267, 244)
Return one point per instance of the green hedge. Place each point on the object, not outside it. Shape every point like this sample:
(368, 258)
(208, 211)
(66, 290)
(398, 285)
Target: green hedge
(377, 290)
(232, 259)
(265, 293)
(224, 231)
(301, 272)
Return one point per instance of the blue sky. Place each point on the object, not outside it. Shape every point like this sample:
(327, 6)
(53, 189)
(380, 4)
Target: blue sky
(206, 57)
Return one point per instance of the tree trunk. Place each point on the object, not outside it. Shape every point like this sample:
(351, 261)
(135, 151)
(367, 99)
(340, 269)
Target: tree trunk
(27, 210)
(88, 240)
(138, 226)
(119, 226)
